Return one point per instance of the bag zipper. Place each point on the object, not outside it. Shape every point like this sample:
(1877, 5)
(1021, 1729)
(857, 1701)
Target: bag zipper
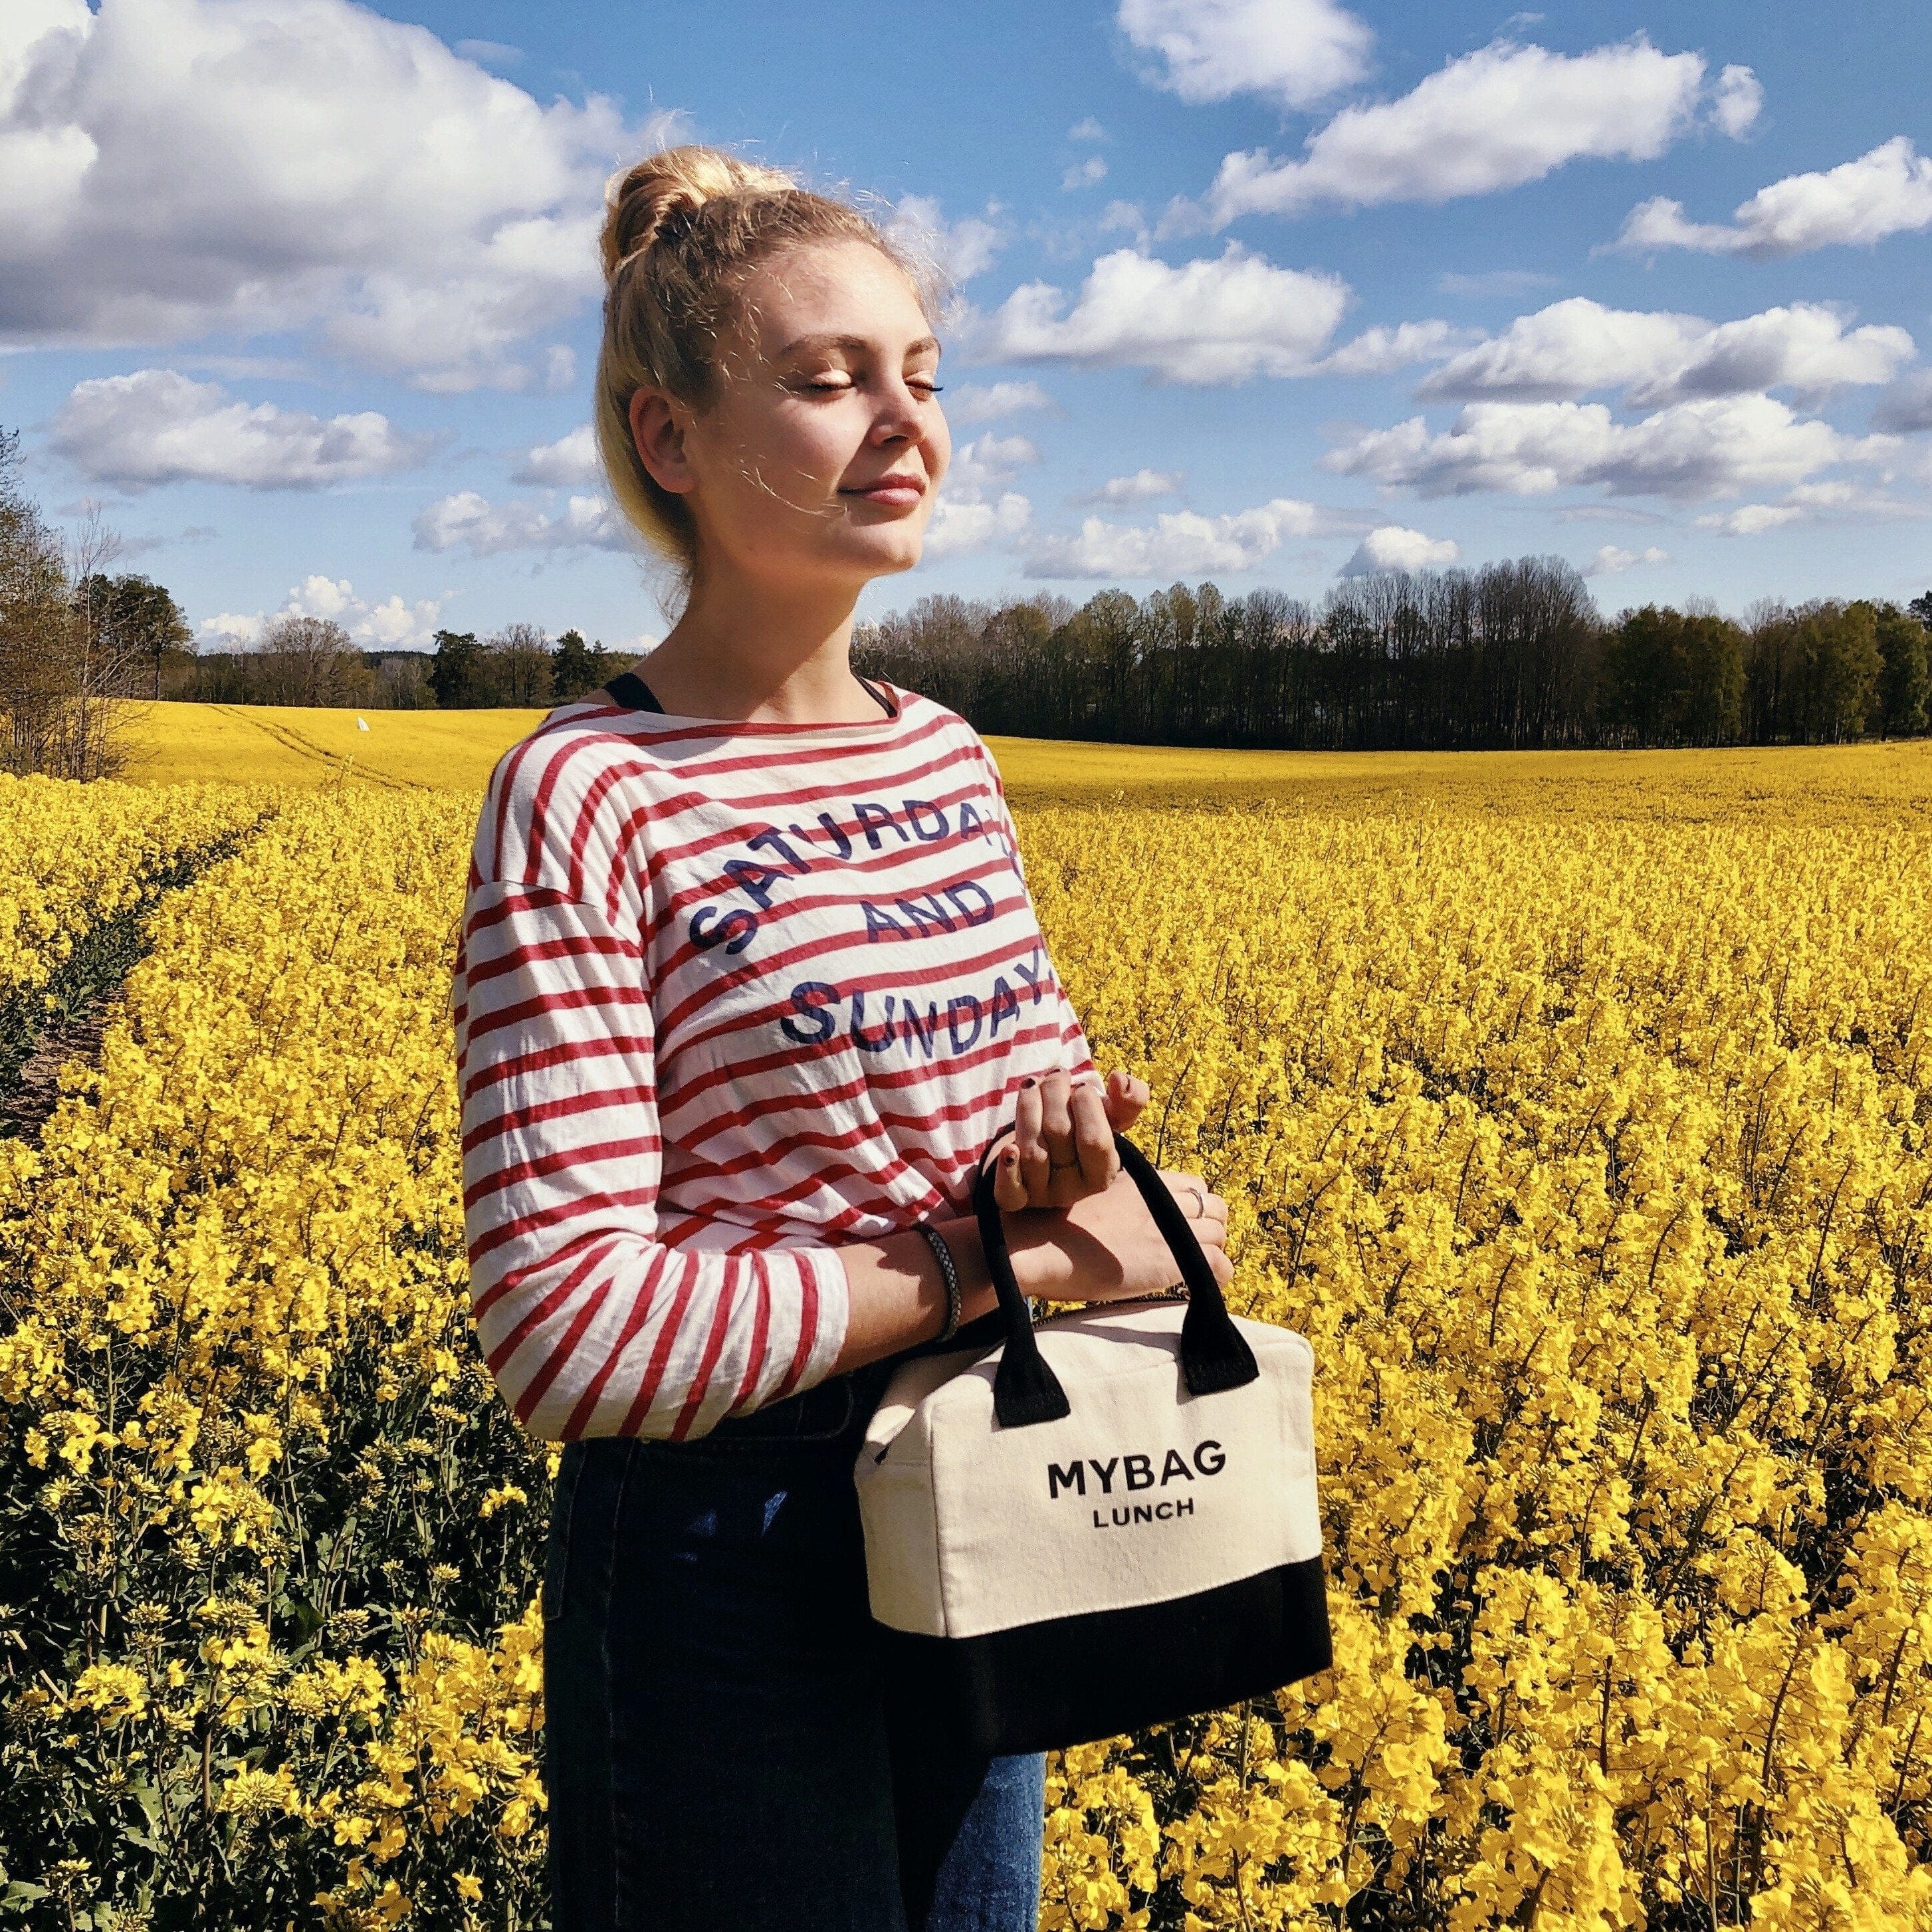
(1124, 1301)
(1121, 1301)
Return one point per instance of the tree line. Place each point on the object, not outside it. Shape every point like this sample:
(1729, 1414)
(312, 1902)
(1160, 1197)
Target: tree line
(304, 660)
(72, 637)
(1513, 655)
(78, 639)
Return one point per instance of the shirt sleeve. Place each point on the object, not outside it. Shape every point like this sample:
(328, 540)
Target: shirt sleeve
(1076, 1056)
(590, 1324)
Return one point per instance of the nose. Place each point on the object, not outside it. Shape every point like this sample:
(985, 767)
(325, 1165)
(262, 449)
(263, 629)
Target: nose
(898, 417)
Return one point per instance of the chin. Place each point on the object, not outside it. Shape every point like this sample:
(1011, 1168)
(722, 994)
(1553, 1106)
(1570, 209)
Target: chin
(888, 560)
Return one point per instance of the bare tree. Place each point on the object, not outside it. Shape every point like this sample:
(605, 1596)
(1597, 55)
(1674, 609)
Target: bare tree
(301, 660)
(518, 665)
(107, 671)
(54, 684)
(402, 683)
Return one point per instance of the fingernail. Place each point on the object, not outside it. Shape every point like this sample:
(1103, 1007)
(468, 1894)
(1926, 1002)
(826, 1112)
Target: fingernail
(1027, 1081)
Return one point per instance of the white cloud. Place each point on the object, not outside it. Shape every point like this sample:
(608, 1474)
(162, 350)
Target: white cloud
(985, 463)
(1566, 349)
(1142, 487)
(487, 529)
(962, 525)
(1083, 174)
(157, 426)
(1610, 560)
(1751, 520)
(1297, 51)
(974, 510)
(1736, 101)
(490, 53)
(230, 630)
(1906, 407)
(1381, 350)
(1713, 447)
(1211, 320)
(172, 168)
(1833, 499)
(320, 596)
(1393, 548)
(1886, 192)
(987, 402)
(964, 248)
(1087, 129)
(392, 624)
(1493, 119)
(1805, 346)
(571, 459)
(1855, 500)
(1180, 543)
(1572, 347)
(1837, 494)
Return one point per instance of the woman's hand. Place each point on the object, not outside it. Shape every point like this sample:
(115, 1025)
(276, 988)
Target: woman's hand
(1106, 1244)
(1062, 1148)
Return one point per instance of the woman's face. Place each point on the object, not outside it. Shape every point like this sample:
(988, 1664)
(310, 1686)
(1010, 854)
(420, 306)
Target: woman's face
(827, 394)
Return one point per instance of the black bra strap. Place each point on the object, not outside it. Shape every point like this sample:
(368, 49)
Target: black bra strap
(629, 690)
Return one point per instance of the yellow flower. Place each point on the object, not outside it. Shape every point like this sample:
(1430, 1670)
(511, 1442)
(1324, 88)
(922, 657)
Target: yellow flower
(113, 1691)
(1579, 1111)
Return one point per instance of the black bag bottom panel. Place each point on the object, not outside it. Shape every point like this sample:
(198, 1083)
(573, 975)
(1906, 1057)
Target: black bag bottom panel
(1075, 1680)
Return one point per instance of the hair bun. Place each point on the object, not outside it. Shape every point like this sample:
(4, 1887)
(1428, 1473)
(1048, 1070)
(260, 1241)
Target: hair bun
(640, 200)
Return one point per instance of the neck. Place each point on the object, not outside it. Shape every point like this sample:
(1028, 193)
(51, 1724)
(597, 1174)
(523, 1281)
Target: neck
(745, 651)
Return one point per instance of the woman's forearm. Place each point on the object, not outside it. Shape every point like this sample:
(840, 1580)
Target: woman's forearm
(898, 1291)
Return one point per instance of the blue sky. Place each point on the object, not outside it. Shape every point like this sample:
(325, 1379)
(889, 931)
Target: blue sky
(304, 293)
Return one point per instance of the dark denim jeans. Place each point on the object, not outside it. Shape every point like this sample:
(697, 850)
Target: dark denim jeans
(717, 1753)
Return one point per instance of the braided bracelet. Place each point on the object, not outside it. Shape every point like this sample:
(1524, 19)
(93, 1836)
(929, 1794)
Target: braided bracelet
(938, 1243)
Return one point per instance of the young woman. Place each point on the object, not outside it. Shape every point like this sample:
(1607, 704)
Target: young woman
(749, 977)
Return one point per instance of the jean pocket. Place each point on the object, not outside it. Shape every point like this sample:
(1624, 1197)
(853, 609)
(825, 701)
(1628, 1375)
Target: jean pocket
(556, 1549)
(824, 1413)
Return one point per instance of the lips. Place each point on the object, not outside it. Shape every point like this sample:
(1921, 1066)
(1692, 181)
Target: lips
(891, 490)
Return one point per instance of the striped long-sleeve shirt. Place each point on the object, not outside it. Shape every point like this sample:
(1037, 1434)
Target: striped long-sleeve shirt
(727, 995)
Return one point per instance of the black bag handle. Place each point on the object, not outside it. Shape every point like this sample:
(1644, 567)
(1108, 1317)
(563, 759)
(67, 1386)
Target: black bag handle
(1213, 1355)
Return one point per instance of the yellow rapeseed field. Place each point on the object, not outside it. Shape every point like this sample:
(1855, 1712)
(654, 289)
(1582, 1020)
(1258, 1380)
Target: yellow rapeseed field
(71, 861)
(1575, 1107)
(171, 743)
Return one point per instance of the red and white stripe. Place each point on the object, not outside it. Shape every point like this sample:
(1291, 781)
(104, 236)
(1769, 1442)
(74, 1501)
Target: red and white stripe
(703, 1035)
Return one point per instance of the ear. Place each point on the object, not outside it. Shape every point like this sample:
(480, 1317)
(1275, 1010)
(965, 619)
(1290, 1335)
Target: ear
(658, 423)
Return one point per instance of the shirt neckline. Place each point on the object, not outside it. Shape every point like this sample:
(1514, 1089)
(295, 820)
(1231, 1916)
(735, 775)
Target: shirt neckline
(884, 722)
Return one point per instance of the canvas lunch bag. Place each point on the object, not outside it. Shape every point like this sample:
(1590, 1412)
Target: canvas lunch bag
(1108, 1521)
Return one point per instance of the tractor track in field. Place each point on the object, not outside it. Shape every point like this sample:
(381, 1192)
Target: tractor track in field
(38, 1039)
(290, 739)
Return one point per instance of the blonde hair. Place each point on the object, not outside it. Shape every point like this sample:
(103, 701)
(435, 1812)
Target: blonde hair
(681, 229)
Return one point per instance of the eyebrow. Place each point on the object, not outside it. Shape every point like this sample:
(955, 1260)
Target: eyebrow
(853, 342)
